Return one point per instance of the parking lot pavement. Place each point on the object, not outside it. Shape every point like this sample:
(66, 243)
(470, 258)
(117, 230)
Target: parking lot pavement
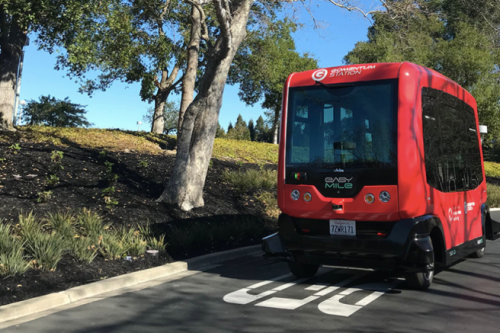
(254, 295)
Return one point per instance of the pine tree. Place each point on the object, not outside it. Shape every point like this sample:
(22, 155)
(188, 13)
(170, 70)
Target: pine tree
(240, 130)
(261, 130)
(251, 128)
(230, 127)
(220, 133)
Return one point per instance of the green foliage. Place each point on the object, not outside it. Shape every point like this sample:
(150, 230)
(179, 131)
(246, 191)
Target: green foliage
(156, 243)
(170, 117)
(143, 164)
(270, 202)
(262, 131)
(13, 262)
(16, 147)
(56, 157)
(91, 224)
(6, 239)
(454, 37)
(244, 181)
(492, 169)
(52, 180)
(220, 133)
(62, 223)
(44, 196)
(112, 246)
(493, 199)
(46, 249)
(30, 226)
(84, 249)
(240, 130)
(49, 111)
(132, 240)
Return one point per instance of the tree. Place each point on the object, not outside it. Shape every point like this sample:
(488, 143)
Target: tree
(220, 133)
(455, 37)
(135, 41)
(170, 117)
(251, 128)
(263, 64)
(52, 22)
(261, 130)
(230, 126)
(240, 130)
(199, 125)
(50, 111)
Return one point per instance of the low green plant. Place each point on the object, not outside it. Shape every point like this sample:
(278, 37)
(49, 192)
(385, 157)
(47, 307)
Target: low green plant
(109, 166)
(493, 199)
(156, 243)
(46, 249)
(2, 160)
(143, 164)
(44, 196)
(91, 224)
(30, 226)
(210, 164)
(6, 239)
(112, 247)
(56, 157)
(244, 181)
(84, 249)
(270, 203)
(13, 262)
(103, 154)
(132, 240)
(63, 223)
(52, 180)
(15, 147)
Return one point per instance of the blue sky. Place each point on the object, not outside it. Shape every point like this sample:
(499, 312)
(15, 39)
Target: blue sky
(121, 106)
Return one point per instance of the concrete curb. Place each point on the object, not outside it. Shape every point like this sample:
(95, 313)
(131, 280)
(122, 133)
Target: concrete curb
(494, 209)
(47, 302)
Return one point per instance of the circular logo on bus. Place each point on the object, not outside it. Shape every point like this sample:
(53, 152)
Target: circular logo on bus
(319, 74)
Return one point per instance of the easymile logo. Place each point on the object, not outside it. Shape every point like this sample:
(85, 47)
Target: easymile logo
(338, 182)
(319, 74)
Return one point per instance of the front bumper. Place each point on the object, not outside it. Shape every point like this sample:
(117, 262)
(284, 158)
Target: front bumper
(406, 246)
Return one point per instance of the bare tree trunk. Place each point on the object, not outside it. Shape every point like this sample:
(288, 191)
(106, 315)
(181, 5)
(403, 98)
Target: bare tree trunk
(158, 123)
(12, 39)
(191, 67)
(165, 86)
(194, 147)
(276, 125)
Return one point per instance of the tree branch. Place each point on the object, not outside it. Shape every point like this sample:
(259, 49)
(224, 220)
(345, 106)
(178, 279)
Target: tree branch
(159, 20)
(224, 18)
(204, 35)
(346, 4)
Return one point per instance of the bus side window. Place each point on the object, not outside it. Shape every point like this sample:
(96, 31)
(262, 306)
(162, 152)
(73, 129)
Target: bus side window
(451, 144)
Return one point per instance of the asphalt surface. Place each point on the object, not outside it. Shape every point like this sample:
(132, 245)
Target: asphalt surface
(254, 295)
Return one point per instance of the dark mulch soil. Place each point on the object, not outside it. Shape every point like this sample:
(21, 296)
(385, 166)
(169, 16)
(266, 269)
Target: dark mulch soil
(81, 183)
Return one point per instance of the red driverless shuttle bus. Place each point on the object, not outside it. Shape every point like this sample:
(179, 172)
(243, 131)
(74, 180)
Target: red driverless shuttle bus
(380, 166)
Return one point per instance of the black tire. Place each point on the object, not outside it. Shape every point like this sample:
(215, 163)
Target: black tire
(478, 253)
(421, 280)
(302, 270)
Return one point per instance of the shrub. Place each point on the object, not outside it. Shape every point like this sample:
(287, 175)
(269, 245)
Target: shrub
(271, 203)
(44, 196)
(493, 200)
(112, 247)
(84, 249)
(6, 239)
(15, 147)
(244, 181)
(47, 250)
(132, 241)
(13, 261)
(492, 169)
(63, 223)
(155, 243)
(30, 227)
(91, 224)
(52, 180)
(56, 157)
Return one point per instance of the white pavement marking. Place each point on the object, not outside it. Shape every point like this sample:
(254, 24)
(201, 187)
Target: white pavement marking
(317, 287)
(332, 306)
(292, 303)
(242, 296)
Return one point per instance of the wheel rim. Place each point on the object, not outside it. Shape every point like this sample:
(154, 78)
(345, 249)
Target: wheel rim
(428, 276)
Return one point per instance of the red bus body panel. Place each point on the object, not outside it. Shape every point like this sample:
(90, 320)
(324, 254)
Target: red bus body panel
(412, 197)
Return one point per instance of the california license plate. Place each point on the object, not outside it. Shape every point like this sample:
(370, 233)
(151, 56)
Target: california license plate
(342, 228)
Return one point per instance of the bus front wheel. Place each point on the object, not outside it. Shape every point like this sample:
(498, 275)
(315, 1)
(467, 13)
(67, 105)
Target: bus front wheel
(420, 280)
(302, 270)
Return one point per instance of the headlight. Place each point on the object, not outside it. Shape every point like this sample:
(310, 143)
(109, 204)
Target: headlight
(295, 194)
(384, 196)
(369, 198)
(307, 197)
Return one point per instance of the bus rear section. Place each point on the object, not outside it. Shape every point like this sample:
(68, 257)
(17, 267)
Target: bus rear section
(380, 166)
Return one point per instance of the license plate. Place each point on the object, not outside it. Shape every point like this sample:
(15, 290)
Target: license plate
(342, 227)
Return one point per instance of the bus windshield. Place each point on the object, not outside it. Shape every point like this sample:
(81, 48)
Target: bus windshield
(342, 126)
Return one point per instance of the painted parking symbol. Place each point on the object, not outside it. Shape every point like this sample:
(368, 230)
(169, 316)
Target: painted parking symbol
(334, 305)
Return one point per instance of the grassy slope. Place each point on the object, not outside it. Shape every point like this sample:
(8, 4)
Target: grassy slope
(142, 142)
